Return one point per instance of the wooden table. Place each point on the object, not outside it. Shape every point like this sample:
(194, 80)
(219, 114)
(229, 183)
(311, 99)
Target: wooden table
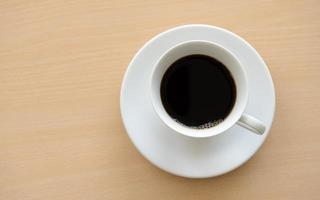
(61, 66)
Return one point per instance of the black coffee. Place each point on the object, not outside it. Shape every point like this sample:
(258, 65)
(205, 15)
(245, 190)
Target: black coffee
(198, 91)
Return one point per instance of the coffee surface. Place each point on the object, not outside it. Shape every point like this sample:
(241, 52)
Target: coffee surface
(198, 91)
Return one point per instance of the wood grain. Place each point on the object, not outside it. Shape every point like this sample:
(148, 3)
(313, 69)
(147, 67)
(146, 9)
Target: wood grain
(61, 67)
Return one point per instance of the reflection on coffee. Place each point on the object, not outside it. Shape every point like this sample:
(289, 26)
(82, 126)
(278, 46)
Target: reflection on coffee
(198, 91)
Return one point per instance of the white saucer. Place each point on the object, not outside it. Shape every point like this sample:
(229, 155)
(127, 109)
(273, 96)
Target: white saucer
(178, 154)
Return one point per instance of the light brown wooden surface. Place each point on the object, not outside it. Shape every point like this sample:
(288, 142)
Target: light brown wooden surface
(61, 66)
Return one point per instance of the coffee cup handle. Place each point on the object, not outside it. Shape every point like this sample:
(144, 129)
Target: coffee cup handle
(252, 124)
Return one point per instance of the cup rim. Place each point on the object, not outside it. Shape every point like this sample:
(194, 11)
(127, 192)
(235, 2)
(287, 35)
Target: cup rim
(183, 129)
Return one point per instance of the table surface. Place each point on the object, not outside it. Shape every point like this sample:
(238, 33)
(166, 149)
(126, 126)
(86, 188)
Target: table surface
(61, 67)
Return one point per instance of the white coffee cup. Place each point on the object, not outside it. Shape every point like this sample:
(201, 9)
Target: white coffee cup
(236, 116)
